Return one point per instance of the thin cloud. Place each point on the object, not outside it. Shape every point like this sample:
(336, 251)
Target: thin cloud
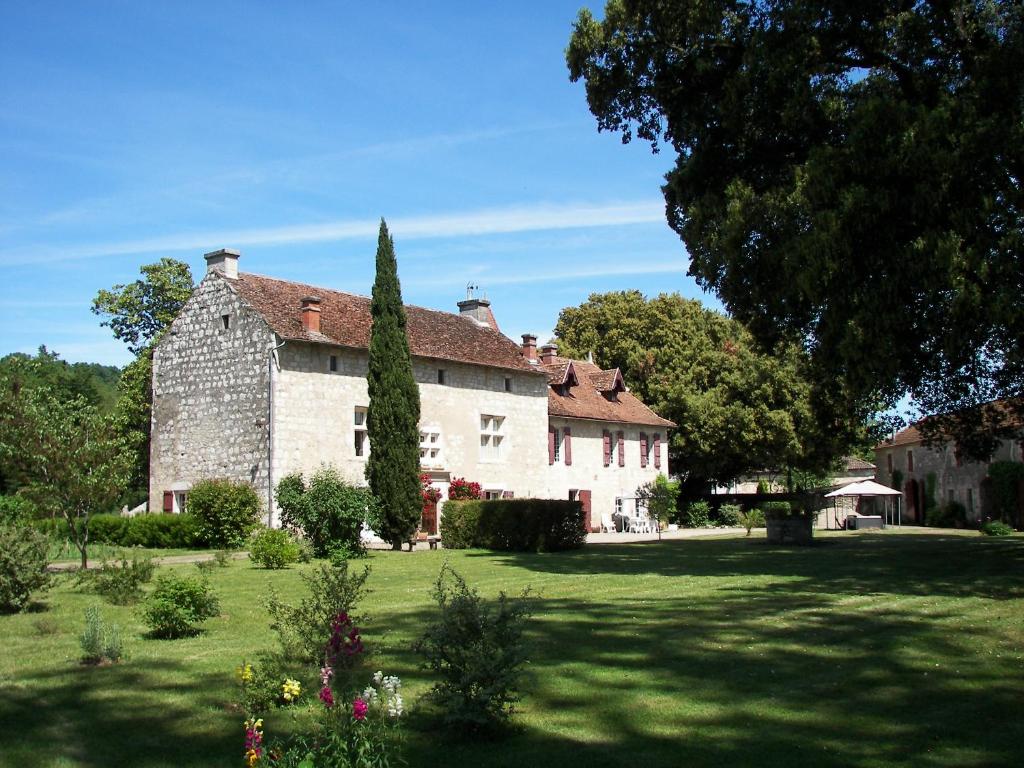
(582, 272)
(487, 221)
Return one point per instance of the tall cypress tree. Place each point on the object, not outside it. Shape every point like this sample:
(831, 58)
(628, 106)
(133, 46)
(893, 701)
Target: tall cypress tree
(393, 419)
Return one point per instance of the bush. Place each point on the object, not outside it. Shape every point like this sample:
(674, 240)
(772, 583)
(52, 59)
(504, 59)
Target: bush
(777, 509)
(121, 583)
(730, 515)
(698, 515)
(305, 629)
(22, 565)
(518, 525)
(16, 510)
(751, 518)
(177, 604)
(1006, 477)
(461, 489)
(951, 514)
(273, 548)
(996, 528)
(226, 512)
(100, 642)
(477, 651)
(329, 511)
(108, 529)
(163, 531)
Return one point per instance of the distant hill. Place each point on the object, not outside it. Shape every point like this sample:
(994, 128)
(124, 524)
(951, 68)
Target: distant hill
(94, 382)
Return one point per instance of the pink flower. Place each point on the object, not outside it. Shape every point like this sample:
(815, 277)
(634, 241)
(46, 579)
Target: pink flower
(359, 708)
(327, 697)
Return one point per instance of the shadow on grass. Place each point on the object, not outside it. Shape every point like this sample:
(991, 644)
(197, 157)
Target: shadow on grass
(118, 715)
(831, 667)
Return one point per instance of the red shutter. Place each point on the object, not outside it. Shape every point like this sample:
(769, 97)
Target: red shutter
(607, 437)
(567, 446)
(657, 451)
(622, 444)
(643, 449)
(168, 501)
(551, 445)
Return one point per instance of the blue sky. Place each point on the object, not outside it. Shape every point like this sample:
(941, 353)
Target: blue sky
(131, 131)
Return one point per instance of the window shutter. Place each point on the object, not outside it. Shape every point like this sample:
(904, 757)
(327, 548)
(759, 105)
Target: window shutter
(657, 451)
(567, 446)
(643, 449)
(168, 501)
(622, 444)
(551, 445)
(607, 437)
(507, 495)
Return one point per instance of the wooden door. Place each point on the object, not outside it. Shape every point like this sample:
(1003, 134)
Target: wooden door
(584, 499)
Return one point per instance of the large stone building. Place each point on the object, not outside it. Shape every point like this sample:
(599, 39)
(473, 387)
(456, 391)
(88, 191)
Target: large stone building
(259, 377)
(928, 475)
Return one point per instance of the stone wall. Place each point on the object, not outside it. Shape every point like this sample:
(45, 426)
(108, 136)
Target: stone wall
(210, 395)
(589, 473)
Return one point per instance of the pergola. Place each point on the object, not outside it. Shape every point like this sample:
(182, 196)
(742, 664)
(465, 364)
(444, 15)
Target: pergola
(869, 488)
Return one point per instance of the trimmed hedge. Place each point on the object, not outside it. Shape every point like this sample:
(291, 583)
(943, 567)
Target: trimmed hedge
(154, 531)
(518, 525)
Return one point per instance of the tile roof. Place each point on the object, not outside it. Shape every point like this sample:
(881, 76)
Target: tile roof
(585, 401)
(856, 464)
(345, 321)
(1006, 412)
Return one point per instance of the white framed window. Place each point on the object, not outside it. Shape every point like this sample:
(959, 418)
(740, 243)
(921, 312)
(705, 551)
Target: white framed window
(612, 447)
(431, 446)
(558, 445)
(492, 437)
(362, 443)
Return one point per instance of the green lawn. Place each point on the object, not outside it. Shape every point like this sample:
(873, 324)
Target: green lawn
(862, 650)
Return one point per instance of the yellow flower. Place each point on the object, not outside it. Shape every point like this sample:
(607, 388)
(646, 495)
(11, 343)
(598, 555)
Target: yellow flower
(290, 690)
(244, 673)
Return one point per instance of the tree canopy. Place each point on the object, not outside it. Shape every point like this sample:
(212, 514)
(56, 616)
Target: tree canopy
(392, 420)
(738, 409)
(847, 175)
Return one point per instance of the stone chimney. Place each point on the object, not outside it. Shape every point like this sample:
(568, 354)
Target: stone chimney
(547, 353)
(477, 308)
(224, 261)
(311, 313)
(530, 347)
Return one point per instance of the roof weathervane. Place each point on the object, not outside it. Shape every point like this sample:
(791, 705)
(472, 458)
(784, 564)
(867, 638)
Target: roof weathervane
(471, 288)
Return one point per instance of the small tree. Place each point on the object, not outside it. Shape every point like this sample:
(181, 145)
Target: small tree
(393, 418)
(329, 511)
(659, 497)
(226, 512)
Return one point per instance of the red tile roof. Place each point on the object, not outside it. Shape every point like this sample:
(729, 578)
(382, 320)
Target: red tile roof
(586, 401)
(345, 321)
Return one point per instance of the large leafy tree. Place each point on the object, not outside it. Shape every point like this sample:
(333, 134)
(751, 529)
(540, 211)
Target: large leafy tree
(393, 468)
(738, 409)
(847, 174)
(138, 313)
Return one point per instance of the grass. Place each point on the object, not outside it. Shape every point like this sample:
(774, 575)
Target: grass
(65, 552)
(862, 650)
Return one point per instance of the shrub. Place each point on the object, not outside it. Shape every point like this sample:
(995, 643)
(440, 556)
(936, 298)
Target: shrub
(305, 629)
(751, 518)
(226, 512)
(519, 525)
(477, 651)
(776, 508)
(996, 528)
(108, 529)
(329, 511)
(177, 604)
(121, 583)
(162, 531)
(729, 515)
(951, 514)
(698, 515)
(22, 565)
(273, 548)
(100, 642)
(1006, 477)
(461, 489)
(16, 510)
(222, 557)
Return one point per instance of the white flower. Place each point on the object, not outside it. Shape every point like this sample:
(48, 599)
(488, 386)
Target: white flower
(378, 676)
(370, 694)
(395, 706)
(391, 684)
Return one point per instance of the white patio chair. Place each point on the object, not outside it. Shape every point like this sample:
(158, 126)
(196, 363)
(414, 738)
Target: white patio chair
(607, 524)
(640, 524)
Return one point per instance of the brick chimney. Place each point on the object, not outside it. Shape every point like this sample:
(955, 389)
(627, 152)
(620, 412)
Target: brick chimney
(224, 261)
(311, 313)
(530, 347)
(547, 353)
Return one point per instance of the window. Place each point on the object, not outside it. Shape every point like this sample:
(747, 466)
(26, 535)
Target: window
(430, 446)
(574, 494)
(951, 495)
(508, 383)
(225, 321)
(333, 364)
(491, 437)
(492, 494)
(970, 502)
(361, 441)
(889, 462)
(558, 445)
(910, 461)
(440, 376)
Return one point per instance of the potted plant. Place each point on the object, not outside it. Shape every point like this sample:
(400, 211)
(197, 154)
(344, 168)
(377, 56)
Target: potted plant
(786, 523)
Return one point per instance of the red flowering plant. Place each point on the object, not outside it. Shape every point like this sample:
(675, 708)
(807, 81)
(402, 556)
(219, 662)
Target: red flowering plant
(430, 494)
(461, 489)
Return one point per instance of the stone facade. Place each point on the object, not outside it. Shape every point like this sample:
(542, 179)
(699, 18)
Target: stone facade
(937, 472)
(210, 396)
